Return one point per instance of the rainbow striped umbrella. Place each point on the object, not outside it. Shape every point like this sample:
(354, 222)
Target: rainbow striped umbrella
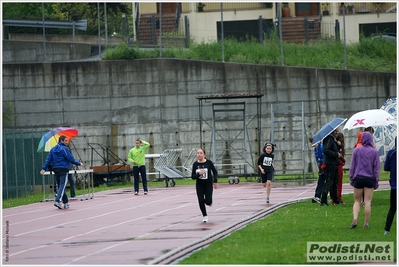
(50, 139)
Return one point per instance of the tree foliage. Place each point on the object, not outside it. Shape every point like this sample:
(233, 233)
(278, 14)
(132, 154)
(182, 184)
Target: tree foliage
(69, 11)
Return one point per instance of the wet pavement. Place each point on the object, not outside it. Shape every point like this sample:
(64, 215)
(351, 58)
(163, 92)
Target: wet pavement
(118, 228)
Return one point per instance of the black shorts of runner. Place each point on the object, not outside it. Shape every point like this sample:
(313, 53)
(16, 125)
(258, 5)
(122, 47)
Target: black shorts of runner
(268, 176)
(363, 182)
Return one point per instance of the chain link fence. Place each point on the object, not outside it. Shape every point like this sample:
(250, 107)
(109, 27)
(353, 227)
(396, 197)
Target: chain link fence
(21, 163)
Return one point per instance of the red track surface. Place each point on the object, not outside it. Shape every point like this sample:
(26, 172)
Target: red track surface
(118, 228)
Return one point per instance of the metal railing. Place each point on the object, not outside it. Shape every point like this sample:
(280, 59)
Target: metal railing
(359, 8)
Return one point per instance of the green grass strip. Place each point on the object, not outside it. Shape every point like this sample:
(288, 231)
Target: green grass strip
(281, 238)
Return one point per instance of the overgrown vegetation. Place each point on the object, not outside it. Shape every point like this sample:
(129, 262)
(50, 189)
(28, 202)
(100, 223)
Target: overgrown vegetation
(8, 113)
(376, 54)
(122, 51)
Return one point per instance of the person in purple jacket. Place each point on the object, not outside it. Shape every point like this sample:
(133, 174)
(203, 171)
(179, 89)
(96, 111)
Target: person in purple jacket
(364, 174)
(390, 166)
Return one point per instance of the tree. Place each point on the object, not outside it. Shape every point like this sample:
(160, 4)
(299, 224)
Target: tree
(26, 10)
(67, 11)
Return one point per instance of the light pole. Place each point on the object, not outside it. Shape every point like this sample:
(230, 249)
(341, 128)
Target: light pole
(44, 34)
(99, 29)
(221, 28)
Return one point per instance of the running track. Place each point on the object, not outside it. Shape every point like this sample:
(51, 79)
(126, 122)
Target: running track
(116, 227)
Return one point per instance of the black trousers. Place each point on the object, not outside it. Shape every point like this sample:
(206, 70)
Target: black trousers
(204, 194)
(331, 184)
(392, 211)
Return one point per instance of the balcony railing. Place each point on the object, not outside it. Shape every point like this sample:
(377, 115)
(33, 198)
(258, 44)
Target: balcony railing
(352, 8)
(215, 6)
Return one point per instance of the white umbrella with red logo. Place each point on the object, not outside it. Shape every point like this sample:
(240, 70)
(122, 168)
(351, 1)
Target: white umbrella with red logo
(371, 117)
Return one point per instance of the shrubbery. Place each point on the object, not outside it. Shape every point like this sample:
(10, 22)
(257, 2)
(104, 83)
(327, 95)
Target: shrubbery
(369, 54)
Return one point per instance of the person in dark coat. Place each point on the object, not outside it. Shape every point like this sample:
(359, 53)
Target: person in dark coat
(390, 166)
(331, 161)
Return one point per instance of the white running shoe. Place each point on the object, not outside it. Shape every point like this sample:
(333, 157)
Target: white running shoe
(205, 219)
(66, 206)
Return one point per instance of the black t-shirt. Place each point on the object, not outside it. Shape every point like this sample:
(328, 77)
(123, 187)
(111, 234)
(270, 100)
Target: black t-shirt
(210, 175)
(266, 161)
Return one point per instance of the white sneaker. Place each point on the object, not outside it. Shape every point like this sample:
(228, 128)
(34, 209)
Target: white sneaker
(66, 206)
(136, 193)
(145, 192)
(205, 219)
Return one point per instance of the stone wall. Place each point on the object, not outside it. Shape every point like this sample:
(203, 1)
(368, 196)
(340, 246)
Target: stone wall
(114, 102)
(31, 51)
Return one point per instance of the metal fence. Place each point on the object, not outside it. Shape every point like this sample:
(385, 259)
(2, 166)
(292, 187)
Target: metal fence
(21, 163)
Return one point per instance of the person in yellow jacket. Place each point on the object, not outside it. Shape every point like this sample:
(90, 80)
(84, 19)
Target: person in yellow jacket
(137, 158)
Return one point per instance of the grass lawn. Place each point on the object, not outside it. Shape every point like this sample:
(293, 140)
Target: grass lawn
(281, 238)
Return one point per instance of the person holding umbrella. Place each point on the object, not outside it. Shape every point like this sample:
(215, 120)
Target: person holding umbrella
(61, 157)
(327, 134)
(331, 161)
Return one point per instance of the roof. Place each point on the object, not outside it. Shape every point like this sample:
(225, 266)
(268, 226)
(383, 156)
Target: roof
(225, 96)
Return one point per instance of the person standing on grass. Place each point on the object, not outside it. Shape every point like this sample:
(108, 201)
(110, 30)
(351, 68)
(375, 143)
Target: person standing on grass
(331, 160)
(390, 166)
(364, 174)
(60, 157)
(266, 167)
(341, 143)
(137, 157)
(318, 153)
(206, 176)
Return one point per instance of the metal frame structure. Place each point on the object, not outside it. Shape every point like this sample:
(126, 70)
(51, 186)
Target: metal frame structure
(115, 166)
(285, 122)
(61, 24)
(236, 147)
(87, 176)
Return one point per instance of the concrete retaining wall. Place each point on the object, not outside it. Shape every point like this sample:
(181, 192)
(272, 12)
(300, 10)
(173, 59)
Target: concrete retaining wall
(114, 102)
(87, 39)
(30, 51)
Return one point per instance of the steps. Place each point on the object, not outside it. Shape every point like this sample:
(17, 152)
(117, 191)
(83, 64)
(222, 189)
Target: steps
(294, 31)
(144, 34)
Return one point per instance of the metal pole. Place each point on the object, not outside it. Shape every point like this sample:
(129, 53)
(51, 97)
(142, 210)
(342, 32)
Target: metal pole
(303, 142)
(124, 26)
(187, 31)
(221, 25)
(106, 23)
(260, 30)
(154, 30)
(99, 29)
(306, 24)
(160, 29)
(73, 32)
(44, 34)
(280, 33)
(134, 20)
(343, 17)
